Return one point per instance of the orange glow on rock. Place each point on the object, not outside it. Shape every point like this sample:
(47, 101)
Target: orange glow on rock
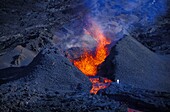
(99, 84)
(88, 62)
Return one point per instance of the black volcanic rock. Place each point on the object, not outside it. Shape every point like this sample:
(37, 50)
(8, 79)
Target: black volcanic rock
(49, 71)
(35, 23)
(155, 37)
(55, 66)
(50, 83)
(139, 99)
(22, 21)
(108, 67)
(138, 66)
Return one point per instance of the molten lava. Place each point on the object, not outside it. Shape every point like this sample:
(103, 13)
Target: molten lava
(99, 84)
(89, 62)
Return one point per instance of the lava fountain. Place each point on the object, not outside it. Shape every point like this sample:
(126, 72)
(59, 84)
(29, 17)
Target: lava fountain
(88, 62)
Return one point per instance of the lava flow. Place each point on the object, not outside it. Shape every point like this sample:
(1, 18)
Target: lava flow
(99, 83)
(89, 62)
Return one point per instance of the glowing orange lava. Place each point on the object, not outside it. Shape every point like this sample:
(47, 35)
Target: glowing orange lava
(88, 62)
(99, 84)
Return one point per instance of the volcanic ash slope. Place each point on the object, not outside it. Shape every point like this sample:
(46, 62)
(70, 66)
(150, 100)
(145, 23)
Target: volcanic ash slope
(140, 67)
(49, 71)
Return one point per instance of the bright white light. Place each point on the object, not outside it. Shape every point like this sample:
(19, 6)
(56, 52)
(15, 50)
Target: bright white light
(117, 81)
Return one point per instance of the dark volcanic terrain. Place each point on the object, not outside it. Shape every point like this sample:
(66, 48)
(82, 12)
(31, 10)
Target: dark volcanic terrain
(40, 38)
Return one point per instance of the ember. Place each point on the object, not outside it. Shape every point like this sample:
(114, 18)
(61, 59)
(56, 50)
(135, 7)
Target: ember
(88, 62)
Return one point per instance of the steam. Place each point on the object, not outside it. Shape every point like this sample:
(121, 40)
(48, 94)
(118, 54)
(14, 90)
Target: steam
(116, 18)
